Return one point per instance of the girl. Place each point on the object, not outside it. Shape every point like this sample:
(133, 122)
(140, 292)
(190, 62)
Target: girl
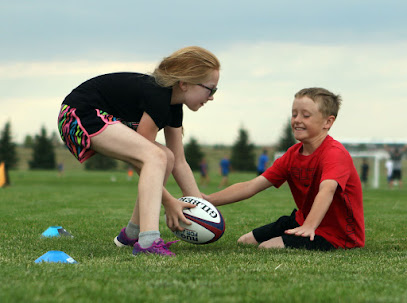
(119, 114)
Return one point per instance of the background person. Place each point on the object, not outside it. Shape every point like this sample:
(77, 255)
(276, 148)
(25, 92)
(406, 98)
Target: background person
(364, 172)
(389, 171)
(396, 157)
(262, 163)
(224, 167)
(203, 169)
(61, 169)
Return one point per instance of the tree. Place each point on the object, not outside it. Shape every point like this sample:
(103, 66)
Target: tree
(287, 139)
(56, 139)
(28, 141)
(193, 154)
(243, 157)
(8, 153)
(43, 152)
(100, 162)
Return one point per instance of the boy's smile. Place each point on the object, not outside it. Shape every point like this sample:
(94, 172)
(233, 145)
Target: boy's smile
(307, 122)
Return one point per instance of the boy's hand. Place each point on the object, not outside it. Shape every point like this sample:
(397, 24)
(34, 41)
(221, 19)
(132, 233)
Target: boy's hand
(318, 210)
(302, 231)
(174, 214)
(205, 197)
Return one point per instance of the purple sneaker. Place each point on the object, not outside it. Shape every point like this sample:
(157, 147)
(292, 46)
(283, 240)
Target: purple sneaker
(122, 240)
(158, 248)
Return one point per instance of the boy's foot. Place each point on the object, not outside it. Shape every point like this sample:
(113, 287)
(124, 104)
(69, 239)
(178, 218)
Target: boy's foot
(158, 248)
(122, 240)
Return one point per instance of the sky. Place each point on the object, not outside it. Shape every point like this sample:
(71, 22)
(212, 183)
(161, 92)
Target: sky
(268, 50)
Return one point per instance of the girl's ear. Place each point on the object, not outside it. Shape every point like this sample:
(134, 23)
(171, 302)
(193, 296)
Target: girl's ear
(183, 86)
(329, 122)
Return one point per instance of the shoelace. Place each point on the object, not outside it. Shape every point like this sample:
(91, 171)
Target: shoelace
(164, 247)
(168, 244)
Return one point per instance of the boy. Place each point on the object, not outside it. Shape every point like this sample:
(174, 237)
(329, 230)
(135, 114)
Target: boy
(323, 181)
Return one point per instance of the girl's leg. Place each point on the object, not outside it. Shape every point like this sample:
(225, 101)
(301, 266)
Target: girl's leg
(170, 161)
(120, 142)
(135, 218)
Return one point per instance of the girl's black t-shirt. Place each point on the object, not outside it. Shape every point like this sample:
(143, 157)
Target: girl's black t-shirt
(127, 96)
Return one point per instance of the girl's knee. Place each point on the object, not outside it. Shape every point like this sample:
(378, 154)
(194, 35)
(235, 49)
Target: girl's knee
(155, 155)
(160, 156)
(170, 157)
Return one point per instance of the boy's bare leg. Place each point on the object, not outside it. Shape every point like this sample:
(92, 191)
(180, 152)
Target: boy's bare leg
(247, 239)
(273, 243)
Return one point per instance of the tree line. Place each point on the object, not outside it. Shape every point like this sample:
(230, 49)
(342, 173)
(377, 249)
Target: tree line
(43, 146)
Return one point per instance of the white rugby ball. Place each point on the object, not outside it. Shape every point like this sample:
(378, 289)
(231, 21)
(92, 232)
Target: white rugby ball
(207, 225)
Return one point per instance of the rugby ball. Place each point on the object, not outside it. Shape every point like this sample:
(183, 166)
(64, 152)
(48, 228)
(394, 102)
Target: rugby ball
(207, 222)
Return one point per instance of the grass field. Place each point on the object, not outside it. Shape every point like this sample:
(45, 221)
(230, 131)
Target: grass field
(94, 209)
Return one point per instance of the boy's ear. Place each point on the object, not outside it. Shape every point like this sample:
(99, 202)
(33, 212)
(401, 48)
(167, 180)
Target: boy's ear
(329, 122)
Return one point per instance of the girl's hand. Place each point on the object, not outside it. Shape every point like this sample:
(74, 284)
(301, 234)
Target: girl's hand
(302, 231)
(174, 214)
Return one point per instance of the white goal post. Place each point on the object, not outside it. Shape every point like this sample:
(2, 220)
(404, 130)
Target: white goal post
(377, 156)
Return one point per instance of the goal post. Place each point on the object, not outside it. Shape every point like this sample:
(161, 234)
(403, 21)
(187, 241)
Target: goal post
(376, 156)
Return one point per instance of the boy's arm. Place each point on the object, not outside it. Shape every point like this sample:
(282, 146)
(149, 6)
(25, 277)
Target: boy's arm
(318, 210)
(238, 191)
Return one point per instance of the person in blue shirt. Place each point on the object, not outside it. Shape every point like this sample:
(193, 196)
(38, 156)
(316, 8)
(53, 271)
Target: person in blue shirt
(203, 168)
(224, 171)
(262, 162)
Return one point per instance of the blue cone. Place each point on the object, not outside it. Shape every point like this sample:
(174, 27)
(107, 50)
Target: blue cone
(56, 231)
(55, 256)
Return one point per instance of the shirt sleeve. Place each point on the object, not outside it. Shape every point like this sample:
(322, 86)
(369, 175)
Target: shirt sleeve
(157, 106)
(277, 173)
(335, 166)
(176, 115)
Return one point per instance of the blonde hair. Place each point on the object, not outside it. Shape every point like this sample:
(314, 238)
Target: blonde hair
(328, 103)
(192, 64)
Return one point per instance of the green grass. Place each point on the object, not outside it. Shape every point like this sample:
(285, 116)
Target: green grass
(94, 209)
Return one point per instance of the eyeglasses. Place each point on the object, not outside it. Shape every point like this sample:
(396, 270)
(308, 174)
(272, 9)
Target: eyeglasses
(213, 90)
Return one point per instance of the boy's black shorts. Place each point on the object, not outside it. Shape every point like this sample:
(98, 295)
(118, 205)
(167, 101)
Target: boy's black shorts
(276, 229)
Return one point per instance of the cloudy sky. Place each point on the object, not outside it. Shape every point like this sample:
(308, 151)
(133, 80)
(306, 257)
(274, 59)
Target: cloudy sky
(268, 50)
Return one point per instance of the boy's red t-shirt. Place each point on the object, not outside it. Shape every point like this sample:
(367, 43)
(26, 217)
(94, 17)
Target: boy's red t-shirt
(343, 224)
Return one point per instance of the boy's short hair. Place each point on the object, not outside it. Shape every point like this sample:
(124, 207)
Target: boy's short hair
(328, 102)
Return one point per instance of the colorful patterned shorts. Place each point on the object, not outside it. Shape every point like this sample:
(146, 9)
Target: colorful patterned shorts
(77, 126)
